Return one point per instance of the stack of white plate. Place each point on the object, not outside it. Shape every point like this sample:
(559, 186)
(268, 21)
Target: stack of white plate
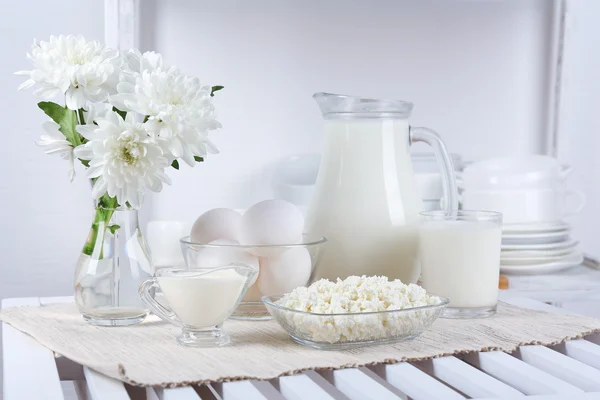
(538, 248)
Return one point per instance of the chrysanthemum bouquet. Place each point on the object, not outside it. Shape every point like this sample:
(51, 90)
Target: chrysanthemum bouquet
(127, 117)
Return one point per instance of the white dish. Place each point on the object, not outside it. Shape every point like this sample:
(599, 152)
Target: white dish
(544, 268)
(545, 246)
(525, 205)
(535, 238)
(540, 227)
(519, 172)
(531, 260)
(512, 254)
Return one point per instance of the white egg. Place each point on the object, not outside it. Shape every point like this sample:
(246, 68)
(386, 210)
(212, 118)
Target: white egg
(253, 293)
(284, 272)
(220, 256)
(218, 223)
(271, 222)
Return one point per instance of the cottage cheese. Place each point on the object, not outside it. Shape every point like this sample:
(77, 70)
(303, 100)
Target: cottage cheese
(358, 295)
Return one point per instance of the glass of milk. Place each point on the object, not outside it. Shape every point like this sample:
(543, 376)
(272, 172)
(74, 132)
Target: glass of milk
(460, 260)
(198, 301)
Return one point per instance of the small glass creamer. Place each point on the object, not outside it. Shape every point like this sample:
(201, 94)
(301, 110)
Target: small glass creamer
(198, 301)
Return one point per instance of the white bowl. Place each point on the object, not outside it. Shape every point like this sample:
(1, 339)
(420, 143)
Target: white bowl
(525, 205)
(511, 173)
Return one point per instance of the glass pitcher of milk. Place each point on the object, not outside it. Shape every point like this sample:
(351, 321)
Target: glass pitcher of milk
(366, 200)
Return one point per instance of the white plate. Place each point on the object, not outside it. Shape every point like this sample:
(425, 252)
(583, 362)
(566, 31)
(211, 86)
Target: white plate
(535, 238)
(512, 254)
(544, 246)
(530, 260)
(544, 268)
(538, 227)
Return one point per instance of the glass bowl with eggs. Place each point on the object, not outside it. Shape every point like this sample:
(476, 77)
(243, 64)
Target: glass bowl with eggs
(268, 236)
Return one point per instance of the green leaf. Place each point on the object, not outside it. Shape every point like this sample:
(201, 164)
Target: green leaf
(113, 228)
(67, 119)
(123, 114)
(215, 89)
(198, 159)
(175, 164)
(53, 110)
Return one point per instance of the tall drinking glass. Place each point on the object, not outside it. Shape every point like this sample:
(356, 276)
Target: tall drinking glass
(460, 260)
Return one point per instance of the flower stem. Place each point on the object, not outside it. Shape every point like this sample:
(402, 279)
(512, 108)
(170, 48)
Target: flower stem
(81, 120)
(104, 212)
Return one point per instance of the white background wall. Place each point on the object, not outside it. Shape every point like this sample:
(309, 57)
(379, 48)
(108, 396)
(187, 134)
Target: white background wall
(476, 70)
(45, 218)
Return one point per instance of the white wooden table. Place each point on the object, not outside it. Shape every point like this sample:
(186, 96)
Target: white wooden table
(568, 371)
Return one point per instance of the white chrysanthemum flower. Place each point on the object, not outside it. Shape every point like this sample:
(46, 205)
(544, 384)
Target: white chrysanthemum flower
(180, 110)
(96, 111)
(124, 159)
(135, 62)
(56, 143)
(83, 71)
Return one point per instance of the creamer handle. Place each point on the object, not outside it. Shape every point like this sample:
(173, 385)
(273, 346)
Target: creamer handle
(158, 309)
(426, 135)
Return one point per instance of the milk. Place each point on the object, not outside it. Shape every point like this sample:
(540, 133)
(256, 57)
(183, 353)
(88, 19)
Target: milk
(460, 260)
(366, 202)
(205, 300)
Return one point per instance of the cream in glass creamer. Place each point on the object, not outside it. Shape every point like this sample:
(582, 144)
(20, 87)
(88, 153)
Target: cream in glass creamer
(365, 201)
(460, 260)
(204, 300)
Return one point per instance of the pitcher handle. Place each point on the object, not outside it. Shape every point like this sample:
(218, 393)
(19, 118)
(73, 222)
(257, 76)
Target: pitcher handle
(430, 137)
(158, 309)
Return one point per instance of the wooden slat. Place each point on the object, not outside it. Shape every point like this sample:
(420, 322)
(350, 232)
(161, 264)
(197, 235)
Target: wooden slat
(467, 379)
(82, 390)
(309, 385)
(581, 350)
(326, 385)
(415, 383)
(362, 383)
(69, 390)
(559, 365)
(29, 368)
(182, 393)
(581, 396)
(520, 375)
(101, 387)
(247, 390)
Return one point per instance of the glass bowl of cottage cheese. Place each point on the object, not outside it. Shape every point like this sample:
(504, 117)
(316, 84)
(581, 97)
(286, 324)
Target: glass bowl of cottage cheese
(357, 311)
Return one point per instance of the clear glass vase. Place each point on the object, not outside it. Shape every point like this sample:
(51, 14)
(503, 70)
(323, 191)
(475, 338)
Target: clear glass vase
(114, 262)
